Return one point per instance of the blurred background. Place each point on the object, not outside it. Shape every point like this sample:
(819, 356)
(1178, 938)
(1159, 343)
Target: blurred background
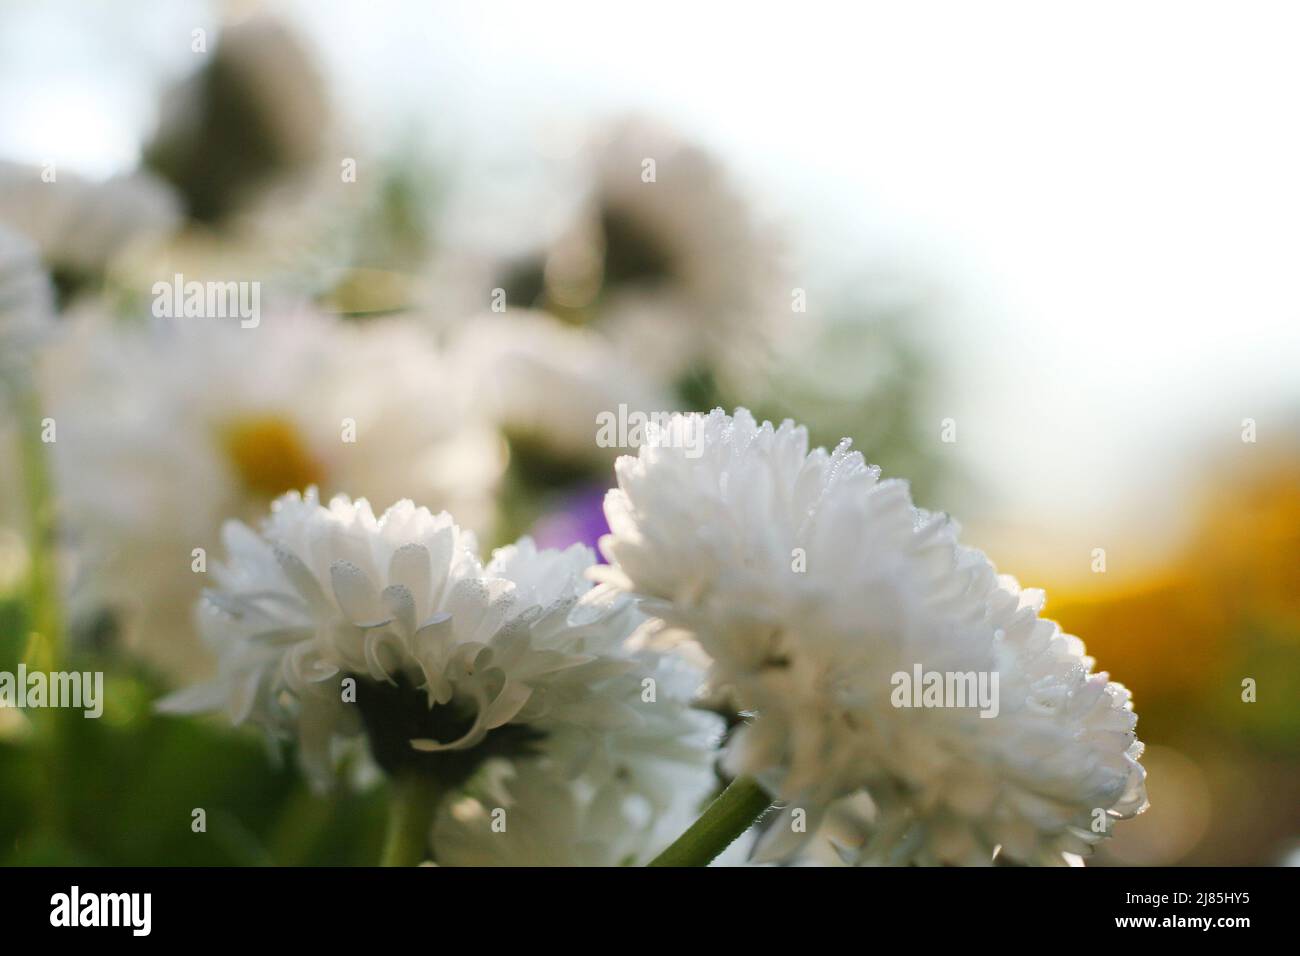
(1039, 261)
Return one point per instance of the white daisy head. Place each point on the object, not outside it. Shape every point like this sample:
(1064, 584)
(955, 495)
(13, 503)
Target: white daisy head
(330, 622)
(256, 113)
(663, 256)
(812, 584)
(165, 431)
(689, 274)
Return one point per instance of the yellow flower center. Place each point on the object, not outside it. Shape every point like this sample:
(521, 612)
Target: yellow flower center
(269, 455)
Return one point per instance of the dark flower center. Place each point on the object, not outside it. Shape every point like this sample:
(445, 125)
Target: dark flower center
(396, 715)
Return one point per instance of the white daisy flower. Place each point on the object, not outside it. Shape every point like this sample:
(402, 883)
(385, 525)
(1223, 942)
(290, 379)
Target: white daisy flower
(451, 662)
(167, 430)
(255, 115)
(812, 584)
(683, 249)
(664, 258)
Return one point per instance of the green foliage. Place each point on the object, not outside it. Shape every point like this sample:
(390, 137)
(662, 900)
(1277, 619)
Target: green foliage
(14, 625)
(121, 791)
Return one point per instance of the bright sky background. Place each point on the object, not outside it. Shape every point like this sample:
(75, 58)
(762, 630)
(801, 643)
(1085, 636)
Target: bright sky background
(1108, 192)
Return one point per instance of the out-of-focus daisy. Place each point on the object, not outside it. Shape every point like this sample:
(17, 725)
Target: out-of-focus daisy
(332, 625)
(244, 141)
(812, 584)
(80, 226)
(252, 116)
(165, 431)
(664, 258)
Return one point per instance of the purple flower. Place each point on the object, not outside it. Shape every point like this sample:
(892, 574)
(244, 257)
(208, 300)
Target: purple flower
(579, 517)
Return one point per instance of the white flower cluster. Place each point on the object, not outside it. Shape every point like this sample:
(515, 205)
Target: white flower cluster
(332, 625)
(810, 582)
(422, 343)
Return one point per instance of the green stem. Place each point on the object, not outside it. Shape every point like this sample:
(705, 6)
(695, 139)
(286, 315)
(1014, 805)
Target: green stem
(46, 642)
(415, 799)
(301, 825)
(44, 648)
(734, 811)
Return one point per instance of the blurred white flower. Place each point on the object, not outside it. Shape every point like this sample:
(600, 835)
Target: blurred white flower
(26, 302)
(166, 430)
(537, 377)
(253, 116)
(454, 662)
(810, 583)
(688, 274)
(660, 254)
(80, 225)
